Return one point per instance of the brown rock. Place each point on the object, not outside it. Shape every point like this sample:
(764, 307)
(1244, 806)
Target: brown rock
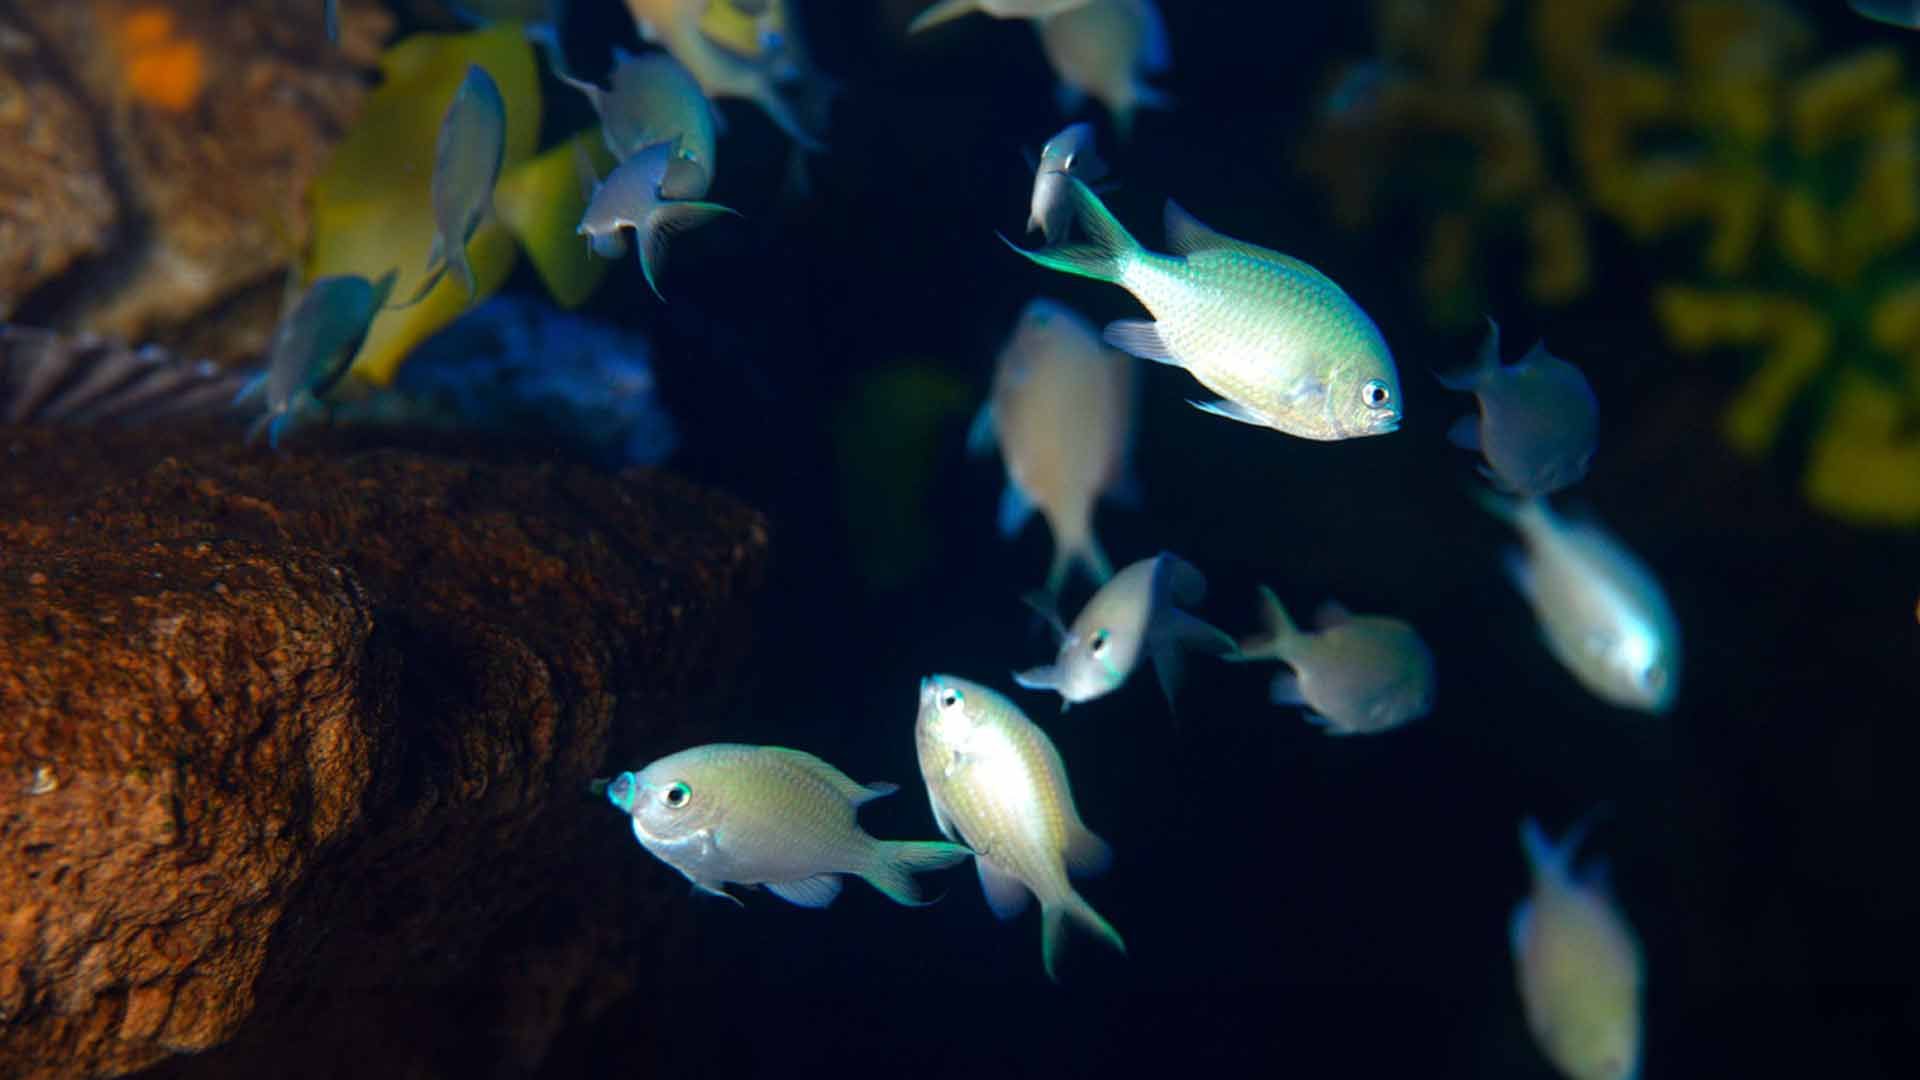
(294, 750)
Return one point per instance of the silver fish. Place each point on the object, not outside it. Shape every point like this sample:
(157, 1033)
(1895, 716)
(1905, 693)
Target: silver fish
(1359, 675)
(313, 347)
(675, 25)
(1283, 345)
(1133, 613)
(1600, 610)
(765, 815)
(1538, 420)
(466, 166)
(1053, 365)
(647, 193)
(997, 785)
(948, 10)
(654, 99)
(1578, 964)
(1069, 153)
(1106, 48)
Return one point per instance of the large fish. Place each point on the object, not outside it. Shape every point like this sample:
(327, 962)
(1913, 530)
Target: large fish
(997, 785)
(1282, 344)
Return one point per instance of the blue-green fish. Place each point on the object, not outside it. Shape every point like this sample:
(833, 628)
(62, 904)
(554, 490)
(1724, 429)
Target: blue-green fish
(1358, 675)
(675, 26)
(1137, 611)
(466, 166)
(998, 785)
(1106, 48)
(1578, 964)
(1538, 420)
(1278, 340)
(1070, 153)
(765, 815)
(650, 194)
(1600, 610)
(654, 99)
(313, 347)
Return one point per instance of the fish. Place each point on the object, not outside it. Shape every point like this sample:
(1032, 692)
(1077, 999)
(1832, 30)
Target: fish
(948, 10)
(1358, 675)
(1054, 365)
(733, 813)
(1132, 613)
(1105, 49)
(1284, 346)
(1538, 419)
(1070, 153)
(466, 166)
(1578, 964)
(675, 26)
(1600, 610)
(1901, 13)
(997, 784)
(313, 347)
(645, 193)
(330, 20)
(654, 99)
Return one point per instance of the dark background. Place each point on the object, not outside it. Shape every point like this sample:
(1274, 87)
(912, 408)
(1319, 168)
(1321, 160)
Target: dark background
(1293, 904)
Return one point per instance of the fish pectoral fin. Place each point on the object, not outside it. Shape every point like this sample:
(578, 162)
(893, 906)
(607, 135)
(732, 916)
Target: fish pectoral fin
(1232, 410)
(814, 892)
(663, 222)
(1007, 896)
(1465, 432)
(1141, 338)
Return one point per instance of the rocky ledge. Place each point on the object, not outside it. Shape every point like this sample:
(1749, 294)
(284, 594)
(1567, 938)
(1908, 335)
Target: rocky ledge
(294, 749)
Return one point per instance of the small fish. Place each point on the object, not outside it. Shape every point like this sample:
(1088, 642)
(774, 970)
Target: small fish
(466, 166)
(765, 815)
(1283, 345)
(998, 785)
(1106, 48)
(1601, 612)
(1053, 365)
(1069, 153)
(654, 99)
(646, 193)
(1578, 964)
(1133, 612)
(313, 347)
(675, 26)
(1357, 91)
(1359, 675)
(948, 10)
(1538, 420)
(1901, 13)
(330, 17)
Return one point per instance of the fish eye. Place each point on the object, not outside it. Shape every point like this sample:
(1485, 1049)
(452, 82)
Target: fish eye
(1375, 394)
(951, 699)
(676, 794)
(1099, 643)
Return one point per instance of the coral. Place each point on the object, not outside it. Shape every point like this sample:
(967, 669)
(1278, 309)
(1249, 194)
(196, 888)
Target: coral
(1776, 193)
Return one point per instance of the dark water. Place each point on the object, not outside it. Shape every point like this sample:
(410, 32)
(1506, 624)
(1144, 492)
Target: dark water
(1293, 904)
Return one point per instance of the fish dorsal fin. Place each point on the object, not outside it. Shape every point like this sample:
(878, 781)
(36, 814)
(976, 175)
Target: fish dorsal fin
(1332, 614)
(1187, 235)
(842, 784)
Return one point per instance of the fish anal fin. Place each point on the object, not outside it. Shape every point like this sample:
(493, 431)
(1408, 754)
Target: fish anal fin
(814, 892)
(1006, 895)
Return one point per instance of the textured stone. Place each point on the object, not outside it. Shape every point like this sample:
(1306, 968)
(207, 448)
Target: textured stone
(294, 749)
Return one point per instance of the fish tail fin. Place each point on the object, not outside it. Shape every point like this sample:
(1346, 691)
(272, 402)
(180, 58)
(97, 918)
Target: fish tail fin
(457, 261)
(1485, 363)
(944, 11)
(1555, 860)
(1280, 631)
(1109, 248)
(1175, 633)
(896, 861)
(1053, 929)
(663, 222)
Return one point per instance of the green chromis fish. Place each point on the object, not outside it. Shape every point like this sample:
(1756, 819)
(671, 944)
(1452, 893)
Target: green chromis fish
(649, 193)
(1135, 612)
(1069, 153)
(654, 99)
(1105, 49)
(313, 347)
(1358, 675)
(1578, 964)
(466, 166)
(1600, 610)
(1283, 345)
(765, 815)
(997, 785)
(1538, 420)
(948, 10)
(1053, 365)
(675, 26)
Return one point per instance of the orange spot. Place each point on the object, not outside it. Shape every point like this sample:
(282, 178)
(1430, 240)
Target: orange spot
(146, 27)
(162, 70)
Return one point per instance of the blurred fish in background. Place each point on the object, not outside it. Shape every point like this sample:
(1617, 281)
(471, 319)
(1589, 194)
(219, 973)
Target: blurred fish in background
(1537, 423)
(1357, 675)
(1106, 49)
(1070, 153)
(775, 73)
(947, 10)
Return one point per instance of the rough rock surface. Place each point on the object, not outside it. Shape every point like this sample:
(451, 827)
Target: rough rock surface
(293, 750)
(174, 142)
